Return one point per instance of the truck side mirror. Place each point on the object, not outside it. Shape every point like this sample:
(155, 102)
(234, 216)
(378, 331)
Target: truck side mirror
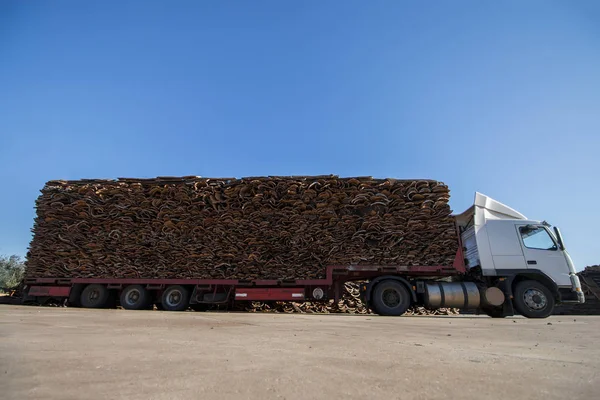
(559, 238)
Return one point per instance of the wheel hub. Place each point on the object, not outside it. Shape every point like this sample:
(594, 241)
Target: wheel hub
(133, 297)
(535, 299)
(174, 298)
(391, 298)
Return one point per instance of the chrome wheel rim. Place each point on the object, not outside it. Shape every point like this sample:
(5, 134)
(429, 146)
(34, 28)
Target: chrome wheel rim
(535, 299)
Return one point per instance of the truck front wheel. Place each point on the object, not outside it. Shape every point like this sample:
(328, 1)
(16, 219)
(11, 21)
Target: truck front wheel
(533, 299)
(390, 298)
(94, 296)
(175, 298)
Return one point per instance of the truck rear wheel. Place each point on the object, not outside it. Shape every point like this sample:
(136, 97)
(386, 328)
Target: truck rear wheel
(390, 298)
(175, 298)
(94, 296)
(134, 297)
(533, 299)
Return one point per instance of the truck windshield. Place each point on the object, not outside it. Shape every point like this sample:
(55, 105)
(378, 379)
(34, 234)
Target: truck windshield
(536, 237)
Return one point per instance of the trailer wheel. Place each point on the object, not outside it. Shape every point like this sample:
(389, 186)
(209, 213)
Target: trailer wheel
(134, 297)
(94, 296)
(533, 299)
(390, 298)
(175, 298)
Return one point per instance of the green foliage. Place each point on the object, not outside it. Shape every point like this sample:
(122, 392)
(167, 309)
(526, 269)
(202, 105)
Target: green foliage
(11, 271)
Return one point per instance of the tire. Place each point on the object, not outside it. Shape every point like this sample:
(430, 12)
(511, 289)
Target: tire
(75, 295)
(135, 297)
(175, 298)
(533, 299)
(390, 298)
(94, 296)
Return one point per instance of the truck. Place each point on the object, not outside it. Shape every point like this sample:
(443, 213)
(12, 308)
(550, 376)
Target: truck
(506, 264)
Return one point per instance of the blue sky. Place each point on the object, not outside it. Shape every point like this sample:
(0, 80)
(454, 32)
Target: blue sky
(497, 97)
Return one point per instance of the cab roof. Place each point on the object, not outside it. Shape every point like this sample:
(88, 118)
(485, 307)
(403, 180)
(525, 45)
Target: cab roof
(485, 208)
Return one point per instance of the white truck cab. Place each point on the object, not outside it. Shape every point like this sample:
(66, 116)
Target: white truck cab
(501, 242)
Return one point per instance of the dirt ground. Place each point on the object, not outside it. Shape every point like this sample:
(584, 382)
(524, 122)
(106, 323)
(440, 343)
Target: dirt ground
(66, 353)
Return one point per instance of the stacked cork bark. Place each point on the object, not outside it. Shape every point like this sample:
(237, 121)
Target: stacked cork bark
(249, 228)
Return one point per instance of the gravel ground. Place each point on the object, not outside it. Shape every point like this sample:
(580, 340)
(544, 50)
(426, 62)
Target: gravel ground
(67, 353)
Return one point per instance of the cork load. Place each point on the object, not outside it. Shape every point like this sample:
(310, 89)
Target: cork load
(249, 228)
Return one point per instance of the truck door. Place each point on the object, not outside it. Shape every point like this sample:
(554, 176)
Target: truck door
(504, 245)
(542, 252)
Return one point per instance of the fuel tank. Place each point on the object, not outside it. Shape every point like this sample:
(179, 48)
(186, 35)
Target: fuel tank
(461, 295)
(452, 295)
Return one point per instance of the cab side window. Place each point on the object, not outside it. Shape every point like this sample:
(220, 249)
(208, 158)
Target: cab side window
(537, 238)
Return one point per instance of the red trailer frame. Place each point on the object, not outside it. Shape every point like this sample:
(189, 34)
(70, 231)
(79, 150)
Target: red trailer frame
(254, 290)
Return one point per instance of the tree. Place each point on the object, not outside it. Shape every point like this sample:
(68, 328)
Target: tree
(11, 271)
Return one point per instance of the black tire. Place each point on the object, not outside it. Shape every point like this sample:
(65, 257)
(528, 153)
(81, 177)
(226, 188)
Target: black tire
(75, 295)
(94, 296)
(533, 299)
(175, 298)
(135, 297)
(390, 298)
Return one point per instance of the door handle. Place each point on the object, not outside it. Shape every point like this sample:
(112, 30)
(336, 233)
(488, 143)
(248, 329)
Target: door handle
(531, 262)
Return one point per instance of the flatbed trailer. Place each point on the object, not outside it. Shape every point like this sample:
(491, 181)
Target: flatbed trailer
(223, 291)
